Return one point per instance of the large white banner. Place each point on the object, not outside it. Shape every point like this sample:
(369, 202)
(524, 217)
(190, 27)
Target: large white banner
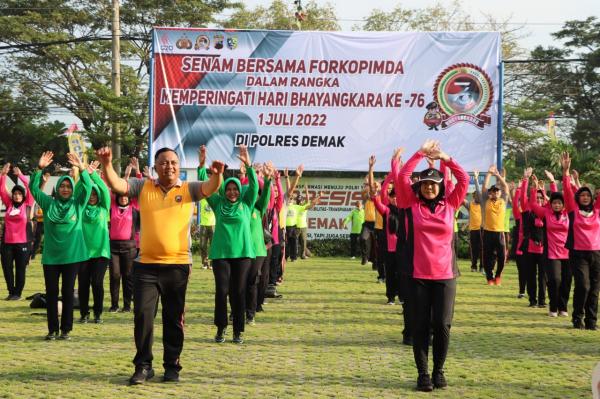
(327, 99)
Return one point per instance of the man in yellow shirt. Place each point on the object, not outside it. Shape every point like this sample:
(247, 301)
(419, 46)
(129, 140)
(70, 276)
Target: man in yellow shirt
(163, 267)
(494, 210)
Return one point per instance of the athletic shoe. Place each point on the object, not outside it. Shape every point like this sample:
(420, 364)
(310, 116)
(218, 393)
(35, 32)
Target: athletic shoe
(8, 298)
(541, 305)
(491, 282)
(51, 336)
(578, 325)
(141, 375)
(15, 298)
(126, 309)
(259, 308)
(521, 295)
(250, 321)
(220, 337)
(64, 336)
(113, 309)
(238, 338)
(474, 269)
(498, 281)
(171, 375)
(424, 383)
(407, 341)
(98, 320)
(353, 257)
(439, 381)
(380, 280)
(205, 267)
(363, 261)
(591, 327)
(563, 313)
(84, 319)
(553, 314)
(533, 305)
(390, 303)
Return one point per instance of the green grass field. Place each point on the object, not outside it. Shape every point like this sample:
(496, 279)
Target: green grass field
(331, 336)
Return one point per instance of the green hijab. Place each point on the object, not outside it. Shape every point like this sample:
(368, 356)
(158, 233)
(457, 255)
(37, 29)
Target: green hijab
(62, 210)
(90, 214)
(227, 207)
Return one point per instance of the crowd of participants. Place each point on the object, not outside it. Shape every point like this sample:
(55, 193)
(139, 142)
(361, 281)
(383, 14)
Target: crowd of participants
(139, 229)
(406, 228)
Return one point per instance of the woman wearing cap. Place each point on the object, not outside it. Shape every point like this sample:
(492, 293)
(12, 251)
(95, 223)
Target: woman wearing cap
(17, 229)
(431, 213)
(97, 240)
(556, 262)
(494, 244)
(64, 246)
(232, 249)
(584, 243)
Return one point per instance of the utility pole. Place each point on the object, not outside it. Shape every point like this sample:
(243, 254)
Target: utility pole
(116, 79)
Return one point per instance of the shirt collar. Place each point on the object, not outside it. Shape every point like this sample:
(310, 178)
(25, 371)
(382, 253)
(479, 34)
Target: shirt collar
(177, 184)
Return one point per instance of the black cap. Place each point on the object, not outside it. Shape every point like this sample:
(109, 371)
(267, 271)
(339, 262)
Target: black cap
(431, 174)
(493, 188)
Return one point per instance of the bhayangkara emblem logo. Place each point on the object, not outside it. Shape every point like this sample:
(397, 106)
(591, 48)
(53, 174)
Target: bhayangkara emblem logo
(462, 93)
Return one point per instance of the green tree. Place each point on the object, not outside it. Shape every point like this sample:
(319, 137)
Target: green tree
(281, 15)
(25, 134)
(61, 50)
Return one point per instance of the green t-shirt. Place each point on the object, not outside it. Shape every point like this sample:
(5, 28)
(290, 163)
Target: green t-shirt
(292, 215)
(63, 233)
(357, 217)
(232, 238)
(95, 221)
(302, 217)
(256, 225)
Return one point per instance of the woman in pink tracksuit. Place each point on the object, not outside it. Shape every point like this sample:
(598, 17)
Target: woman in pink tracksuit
(584, 243)
(433, 290)
(558, 270)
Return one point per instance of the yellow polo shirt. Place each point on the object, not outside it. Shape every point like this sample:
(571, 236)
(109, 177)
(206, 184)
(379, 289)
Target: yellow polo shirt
(370, 211)
(165, 220)
(494, 215)
(474, 216)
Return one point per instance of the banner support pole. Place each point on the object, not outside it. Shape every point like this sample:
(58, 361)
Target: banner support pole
(500, 125)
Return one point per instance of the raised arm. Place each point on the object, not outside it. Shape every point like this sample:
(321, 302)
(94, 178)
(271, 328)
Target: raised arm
(385, 199)
(403, 181)
(249, 196)
(104, 191)
(299, 171)
(262, 203)
(113, 181)
(279, 198)
(459, 193)
(381, 208)
(570, 204)
(4, 193)
(41, 198)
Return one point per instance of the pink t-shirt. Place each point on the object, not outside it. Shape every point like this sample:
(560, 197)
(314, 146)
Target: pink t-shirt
(433, 257)
(586, 229)
(557, 229)
(15, 219)
(121, 222)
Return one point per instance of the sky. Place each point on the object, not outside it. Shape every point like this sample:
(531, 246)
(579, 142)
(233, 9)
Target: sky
(539, 17)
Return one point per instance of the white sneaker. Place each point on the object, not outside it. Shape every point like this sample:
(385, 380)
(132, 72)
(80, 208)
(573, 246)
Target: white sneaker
(552, 314)
(354, 257)
(390, 303)
(563, 313)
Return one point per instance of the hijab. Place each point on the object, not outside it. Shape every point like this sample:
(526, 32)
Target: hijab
(62, 210)
(586, 208)
(227, 207)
